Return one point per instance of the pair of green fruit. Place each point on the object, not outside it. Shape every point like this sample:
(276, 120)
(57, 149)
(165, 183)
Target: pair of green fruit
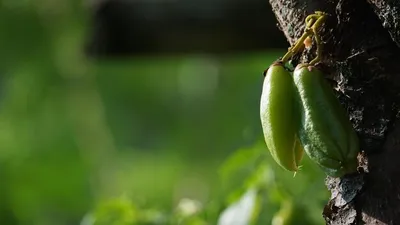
(300, 113)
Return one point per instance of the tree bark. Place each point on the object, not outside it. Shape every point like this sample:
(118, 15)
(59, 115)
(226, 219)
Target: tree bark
(361, 43)
(389, 13)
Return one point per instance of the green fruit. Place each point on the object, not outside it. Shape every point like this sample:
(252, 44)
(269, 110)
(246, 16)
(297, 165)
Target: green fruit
(325, 132)
(298, 151)
(279, 117)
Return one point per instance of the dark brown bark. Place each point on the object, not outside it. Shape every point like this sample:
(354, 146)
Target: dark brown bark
(389, 13)
(361, 54)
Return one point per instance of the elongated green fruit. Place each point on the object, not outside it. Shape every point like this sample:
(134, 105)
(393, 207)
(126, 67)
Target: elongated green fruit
(298, 151)
(325, 132)
(279, 117)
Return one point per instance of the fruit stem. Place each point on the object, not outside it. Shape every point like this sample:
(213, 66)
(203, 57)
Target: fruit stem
(313, 23)
(315, 27)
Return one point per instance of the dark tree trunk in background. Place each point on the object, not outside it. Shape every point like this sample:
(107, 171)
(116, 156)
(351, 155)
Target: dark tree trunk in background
(361, 52)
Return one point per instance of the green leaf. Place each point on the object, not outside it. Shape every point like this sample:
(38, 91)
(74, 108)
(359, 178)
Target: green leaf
(241, 212)
(238, 160)
(120, 211)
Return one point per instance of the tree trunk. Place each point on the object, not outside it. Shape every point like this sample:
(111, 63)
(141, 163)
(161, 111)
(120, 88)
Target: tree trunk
(361, 43)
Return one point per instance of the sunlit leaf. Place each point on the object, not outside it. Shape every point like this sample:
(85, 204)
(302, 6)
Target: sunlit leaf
(118, 211)
(241, 163)
(241, 212)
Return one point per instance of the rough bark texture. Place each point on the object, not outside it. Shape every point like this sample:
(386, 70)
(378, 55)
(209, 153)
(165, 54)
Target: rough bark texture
(361, 42)
(389, 13)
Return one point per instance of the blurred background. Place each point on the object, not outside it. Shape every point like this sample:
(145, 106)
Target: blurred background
(127, 112)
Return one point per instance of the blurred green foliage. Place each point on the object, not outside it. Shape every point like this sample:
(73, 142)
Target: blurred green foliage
(146, 140)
